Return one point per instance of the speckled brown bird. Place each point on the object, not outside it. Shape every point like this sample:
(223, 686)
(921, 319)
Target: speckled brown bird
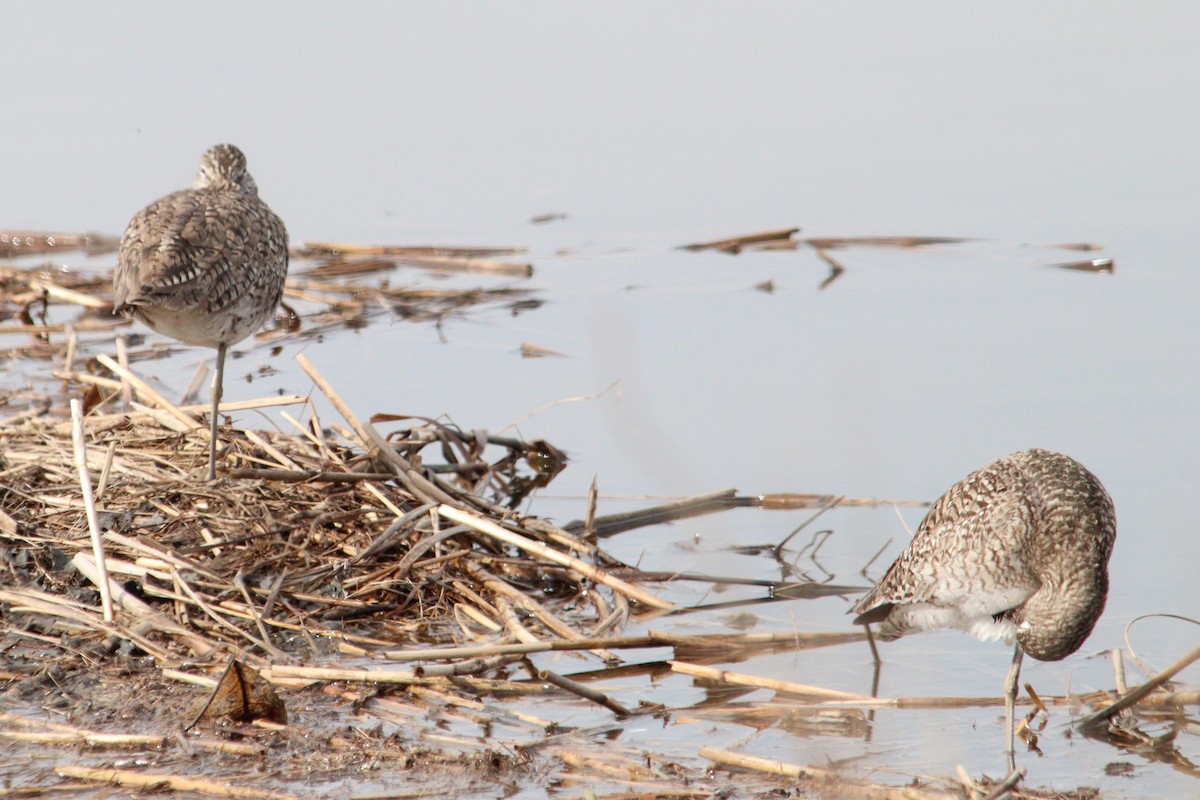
(205, 265)
(1018, 549)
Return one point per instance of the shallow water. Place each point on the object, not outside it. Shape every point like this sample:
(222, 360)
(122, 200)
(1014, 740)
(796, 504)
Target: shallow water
(655, 127)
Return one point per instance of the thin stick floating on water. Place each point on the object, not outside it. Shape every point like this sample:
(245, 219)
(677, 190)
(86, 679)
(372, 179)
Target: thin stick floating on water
(735, 244)
(843, 785)
(742, 679)
(586, 692)
(610, 524)
(732, 759)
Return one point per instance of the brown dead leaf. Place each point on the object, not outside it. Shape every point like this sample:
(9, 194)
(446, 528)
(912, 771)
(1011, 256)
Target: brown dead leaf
(242, 695)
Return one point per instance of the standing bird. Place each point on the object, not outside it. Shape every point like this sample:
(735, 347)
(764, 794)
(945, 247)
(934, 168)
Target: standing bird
(1019, 548)
(205, 265)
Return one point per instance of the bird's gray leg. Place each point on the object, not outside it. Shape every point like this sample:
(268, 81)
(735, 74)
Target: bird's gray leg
(874, 677)
(217, 387)
(871, 644)
(1010, 701)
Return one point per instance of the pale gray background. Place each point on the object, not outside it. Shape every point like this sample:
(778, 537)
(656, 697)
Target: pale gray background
(655, 124)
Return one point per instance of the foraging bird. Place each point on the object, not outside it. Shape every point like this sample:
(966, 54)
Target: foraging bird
(205, 265)
(1018, 548)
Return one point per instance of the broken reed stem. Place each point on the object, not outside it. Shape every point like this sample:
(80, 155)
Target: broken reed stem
(1005, 786)
(388, 538)
(732, 759)
(123, 360)
(72, 347)
(577, 688)
(109, 454)
(137, 417)
(89, 503)
(735, 243)
(178, 783)
(90, 738)
(439, 653)
(298, 476)
(1119, 671)
(348, 674)
(68, 295)
(230, 748)
(376, 446)
(620, 769)
(743, 679)
(611, 524)
(549, 554)
(843, 785)
(452, 264)
(41, 330)
(1091, 720)
(514, 624)
(648, 640)
(432, 696)
(145, 390)
(160, 622)
(589, 521)
(239, 581)
(163, 554)
(830, 697)
(518, 598)
(471, 667)
(284, 461)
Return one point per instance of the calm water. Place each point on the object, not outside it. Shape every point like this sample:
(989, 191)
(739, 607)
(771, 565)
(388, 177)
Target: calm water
(655, 125)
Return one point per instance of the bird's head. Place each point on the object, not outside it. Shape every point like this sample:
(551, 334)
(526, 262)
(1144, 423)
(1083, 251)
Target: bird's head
(223, 166)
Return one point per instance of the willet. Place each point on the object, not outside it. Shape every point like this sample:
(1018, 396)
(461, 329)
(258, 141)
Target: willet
(1019, 548)
(205, 265)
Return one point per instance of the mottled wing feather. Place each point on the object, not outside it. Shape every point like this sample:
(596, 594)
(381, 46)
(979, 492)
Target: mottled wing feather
(959, 545)
(182, 251)
(204, 266)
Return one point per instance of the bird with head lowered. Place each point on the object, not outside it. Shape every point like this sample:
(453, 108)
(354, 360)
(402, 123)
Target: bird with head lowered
(1018, 549)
